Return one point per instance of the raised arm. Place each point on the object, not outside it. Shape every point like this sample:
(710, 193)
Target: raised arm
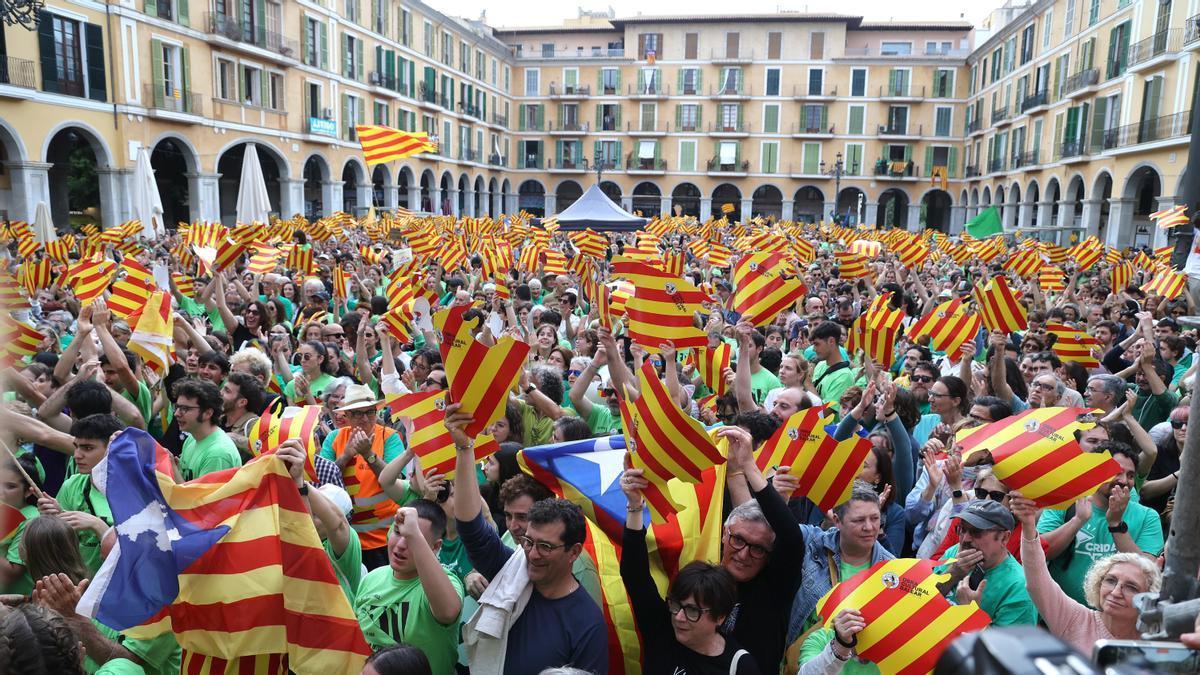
(578, 392)
(70, 356)
(444, 601)
(741, 379)
(227, 316)
(997, 368)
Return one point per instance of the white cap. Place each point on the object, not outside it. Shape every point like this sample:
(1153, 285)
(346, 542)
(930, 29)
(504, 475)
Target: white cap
(339, 497)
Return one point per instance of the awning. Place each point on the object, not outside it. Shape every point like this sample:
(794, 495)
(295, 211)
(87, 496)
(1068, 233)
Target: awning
(728, 152)
(646, 150)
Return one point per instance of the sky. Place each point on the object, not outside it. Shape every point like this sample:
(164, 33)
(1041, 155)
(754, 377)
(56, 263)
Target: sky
(504, 13)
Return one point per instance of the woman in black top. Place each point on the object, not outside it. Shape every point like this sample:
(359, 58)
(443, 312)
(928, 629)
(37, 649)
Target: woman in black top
(679, 635)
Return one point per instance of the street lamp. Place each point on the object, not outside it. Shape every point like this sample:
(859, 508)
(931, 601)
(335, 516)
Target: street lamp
(837, 171)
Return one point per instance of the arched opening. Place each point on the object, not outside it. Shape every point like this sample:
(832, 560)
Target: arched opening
(531, 198)
(170, 166)
(566, 194)
(1032, 195)
(1012, 207)
(808, 205)
(10, 186)
(351, 178)
(506, 196)
(1074, 202)
(447, 206)
(1144, 187)
(315, 174)
(892, 210)
(493, 189)
(724, 194)
(1053, 196)
(481, 197)
(610, 190)
(427, 185)
(404, 182)
(935, 210)
(685, 200)
(379, 184)
(464, 186)
(767, 201)
(74, 181)
(230, 168)
(1102, 190)
(985, 198)
(851, 207)
(647, 199)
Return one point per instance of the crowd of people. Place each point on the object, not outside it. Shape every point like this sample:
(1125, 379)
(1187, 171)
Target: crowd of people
(488, 572)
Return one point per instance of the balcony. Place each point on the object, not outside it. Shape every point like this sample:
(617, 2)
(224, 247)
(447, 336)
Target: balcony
(496, 160)
(19, 74)
(647, 128)
(1000, 116)
(159, 100)
(805, 130)
(651, 91)
(732, 130)
(875, 51)
(645, 165)
(689, 89)
(570, 54)
(1191, 33)
(898, 93)
(567, 165)
(737, 168)
(1025, 159)
(1155, 49)
(427, 96)
(896, 170)
(1080, 84)
(224, 110)
(974, 126)
(901, 131)
(689, 126)
(1033, 103)
(469, 155)
(471, 110)
(247, 33)
(995, 165)
(608, 89)
(971, 172)
(1072, 151)
(570, 91)
(499, 121)
(728, 93)
(805, 94)
(724, 58)
(1162, 128)
(568, 128)
(530, 162)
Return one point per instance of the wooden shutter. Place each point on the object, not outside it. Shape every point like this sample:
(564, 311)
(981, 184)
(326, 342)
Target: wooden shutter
(94, 35)
(816, 46)
(358, 60)
(150, 7)
(181, 11)
(641, 46)
(774, 43)
(323, 29)
(732, 44)
(691, 45)
(185, 61)
(49, 61)
(156, 70)
(928, 161)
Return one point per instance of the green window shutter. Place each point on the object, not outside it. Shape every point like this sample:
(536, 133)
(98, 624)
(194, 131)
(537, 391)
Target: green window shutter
(156, 68)
(658, 78)
(928, 160)
(907, 153)
(558, 151)
(599, 117)
(618, 116)
(856, 119)
(811, 158)
(687, 156)
(346, 122)
(699, 109)
(678, 116)
(94, 37)
(952, 170)
(358, 54)
(150, 7)
(1123, 54)
(679, 81)
(596, 147)
(323, 29)
(657, 151)
(264, 88)
(620, 154)
(260, 11)
(362, 114)
(185, 61)
(824, 118)
(1072, 124)
(182, 13)
(771, 119)
(600, 82)
(739, 116)
(412, 79)
(46, 52)
(305, 35)
(541, 116)
(1098, 111)
(521, 117)
(379, 59)
(699, 78)
(853, 159)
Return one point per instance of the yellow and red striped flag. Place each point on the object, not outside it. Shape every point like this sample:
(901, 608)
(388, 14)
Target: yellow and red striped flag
(60, 249)
(662, 307)
(153, 337)
(424, 416)
(911, 252)
(674, 262)
(1035, 452)
(10, 520)
(1086, 253)
(866, 248)
(711, 363)
(556, 262)
(89, 279)
(370, 255)
(664, 442)
(880, 330)
(263, 259)
(762, 290)
(1120, 276)
(398, 321)
(851, 265)
(1167, 283)
(300, 258)
(341, 283)
(590, 243)
(36, 275)
(382, 144)
(826, 469)
(909, 623)
(228, 251)
(1051, 279)
(948, 325)
(184, 284)
(480, 377)
(27, 246)
(291, 423)
(130, 295)
(1074, 345)
(1000, 306)
(10, 293)
(1163, 253)
(1024, 263)
(1172, 217)
(19, 340)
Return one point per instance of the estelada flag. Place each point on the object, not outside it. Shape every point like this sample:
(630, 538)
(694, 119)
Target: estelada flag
(1000, 306)
(1167, 283)
(826, 469)
(1035, 452)
(275, 427)
(1073, 345)
(851, 265)
(711, 363)
(664, 442)
(909, 623)
(382, 144)
(10, 520)
(1051, 280)
(424, 417)
(762, 290)
(479, 377)
(948, 326)
(662, 307)
(152, 337)
(1120, 276)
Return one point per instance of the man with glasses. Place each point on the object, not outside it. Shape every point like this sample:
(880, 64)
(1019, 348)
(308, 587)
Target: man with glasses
(1045, 391)
(924, 374)
(984, 570)
(436, 381)
(361, 449)
(1105, 392)
(535, 614)
(207, 449)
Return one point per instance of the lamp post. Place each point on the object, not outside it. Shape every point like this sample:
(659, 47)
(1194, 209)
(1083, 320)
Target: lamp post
(837, 171)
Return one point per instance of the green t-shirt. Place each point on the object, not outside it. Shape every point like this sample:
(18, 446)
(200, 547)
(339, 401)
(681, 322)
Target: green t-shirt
(142, 401)
(161, 655)
(538, 429)
(453, 556)
(819, 639)
(396, 611)
(602, 421)
(348, 567)
(1094, 541)
(10, 549)
(830, 387)
(317, 387)
(116, 667)
(762, 382)
(78, 494)
(215, 453)
(1005, 598)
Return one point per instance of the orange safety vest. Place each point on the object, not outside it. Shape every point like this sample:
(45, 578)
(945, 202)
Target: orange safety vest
(373, 510)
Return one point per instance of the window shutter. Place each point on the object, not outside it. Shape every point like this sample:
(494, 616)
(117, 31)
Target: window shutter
(521, 117)
(658, 80)
(678, 116)
(699, 79)
(346, 123)
(379, 59)
(182, 13)
(928, 161)
(679, 81)
(771, 119)
(358, 60)
(150, 7)
(596, 149)
(600, 82)
(95, 62)
(1098, 111)
(323, 29)
(264, 88)
(641, 46)
(45, 30)
(541, 116)
(617, 121)
(306, 34)
(156, 69)
(620, 154)
(824, 118)
(687, 156)
(412, 79)
(699, 109)
(185, 59)
(739, 116)
(907, 153)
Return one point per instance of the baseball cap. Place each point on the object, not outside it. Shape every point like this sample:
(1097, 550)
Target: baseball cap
(988, 515)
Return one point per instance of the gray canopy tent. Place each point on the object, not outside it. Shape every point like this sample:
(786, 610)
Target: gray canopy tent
(595, 210)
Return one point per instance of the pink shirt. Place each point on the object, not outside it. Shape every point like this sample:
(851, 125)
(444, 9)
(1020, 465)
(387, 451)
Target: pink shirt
(1076, 624)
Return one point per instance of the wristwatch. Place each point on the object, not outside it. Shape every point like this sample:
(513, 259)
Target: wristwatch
(304, 489)
(957, 494)
(1121, 528)
(530, 388)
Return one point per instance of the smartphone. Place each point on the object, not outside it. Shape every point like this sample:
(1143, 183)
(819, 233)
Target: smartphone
(1146, 656)
(976, 578)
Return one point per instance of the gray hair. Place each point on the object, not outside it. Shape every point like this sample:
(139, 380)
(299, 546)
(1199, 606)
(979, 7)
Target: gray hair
(313, 284)
(1101, 568)
(861, 492)
(338, 383)
(749, 512)
(1112, 385)
(256, 362)
(564, 670)
(581, 363)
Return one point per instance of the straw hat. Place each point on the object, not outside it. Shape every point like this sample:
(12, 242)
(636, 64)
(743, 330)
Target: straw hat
(358, 396)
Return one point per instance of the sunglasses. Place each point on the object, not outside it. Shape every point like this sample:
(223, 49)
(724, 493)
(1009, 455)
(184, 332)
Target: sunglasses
(1179, 424)
(994, 495)
(922, 378)
(574, 373)
(606, 391)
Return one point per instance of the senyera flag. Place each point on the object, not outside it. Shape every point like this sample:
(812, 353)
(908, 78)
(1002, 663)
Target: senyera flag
(382, 144)
(762, 289)
(909, 623)
(826, 468)
(1074, 345)
(948, 326)
(479, 376)
(1035, 452)
(710, 363)
(424, 416)
(285, 424)
(1000, 306)
(662, 308)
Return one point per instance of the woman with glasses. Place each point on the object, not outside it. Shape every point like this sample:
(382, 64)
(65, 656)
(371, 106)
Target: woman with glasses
(309, 384)
(681, 633)
(1158, 492)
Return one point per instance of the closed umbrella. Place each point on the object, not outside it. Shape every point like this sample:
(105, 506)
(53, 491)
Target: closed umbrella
(43, 224)
(147, 203)
(253, 203)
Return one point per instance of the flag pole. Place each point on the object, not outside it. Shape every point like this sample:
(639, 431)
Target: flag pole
(32, 483)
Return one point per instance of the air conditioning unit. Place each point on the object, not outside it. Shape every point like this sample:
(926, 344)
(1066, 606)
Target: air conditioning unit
(327, 113)
(375, 77)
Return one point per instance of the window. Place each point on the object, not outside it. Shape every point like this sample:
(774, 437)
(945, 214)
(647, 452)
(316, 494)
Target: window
(933, 48)
(610, 116)
(352, 65)
(316, 45)
(275, 92)
(507, 78)
(568, 116)
(66, 43)
(689, 81)
(480, 66)
(312, 99)
(942, 117)
(379, 21)
(570, 80)
(996, 56)
(610, 81)
(1118, 50)
(691, 46)
(731, 81)
(816, 45)
(898, 82)
(770, 157)
(895, 48)
(649, 81)
(972, 80)
(688, 117)
(857, 119)
(897, 119)
(816, 81)
(733, 42)
(169, 78)
(774, 44)
(731, 115)
(1027, 44)
(353, 107)
(447, 48)
(444, 148)
(351, 10)
(771, 118)
(381, 112)
(858, 81)
(532, 81)
(943, 83)
(547, 50)
(853, 161)
(1010, 55)
(727, 155)
(811, 158)
(813, 119)
(251, 93)
(609, 151)
(406, 27)
(687, 155)
(226, 80)
(1094, 12)
(649, 113)
(772, 87)
(430, 40)
(1069, 21)
(1047, 24)
(649, 45)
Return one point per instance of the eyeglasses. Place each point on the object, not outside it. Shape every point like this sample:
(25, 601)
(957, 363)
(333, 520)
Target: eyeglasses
(979, 419)
(606, 391)
(922, 378)
(974, 532)
(1044, 386)
(430, 380)
(361, 413)
(185, 408)
(994, 495)
(1179, 424)
(543, 547)
(690, 612)
(756, 551)
(336, 336)
(252, 310)
(574, 373)
(934, 394)
(305, 356)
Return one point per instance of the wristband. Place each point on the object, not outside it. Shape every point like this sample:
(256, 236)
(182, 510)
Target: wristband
(957, 494)
(837, 656)
(1120, 528)
(304, 489)
(848, 645)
